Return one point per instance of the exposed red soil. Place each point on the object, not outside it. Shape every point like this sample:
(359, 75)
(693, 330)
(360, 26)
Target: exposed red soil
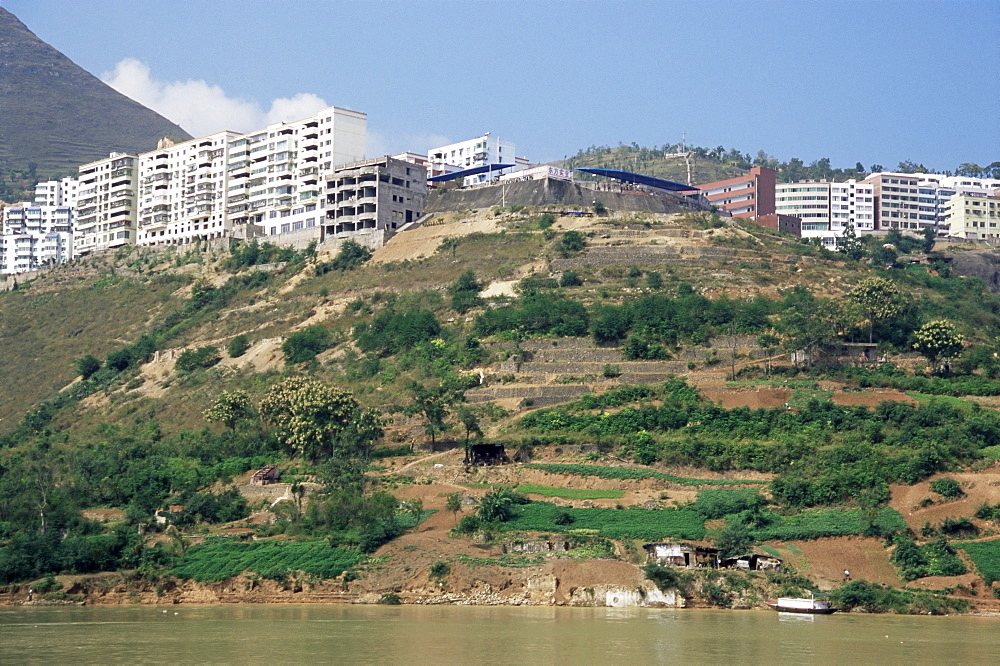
(979, 487)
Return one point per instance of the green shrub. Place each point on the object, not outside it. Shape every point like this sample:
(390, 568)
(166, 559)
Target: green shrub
(571, 242)
(304, 345)
(238, 346)
(390, 599)
(439, 570)
(87, 365)
(193, 359)
(570, 279)
(665, 578)
(947, 488)
(714, 504)
(351, 255)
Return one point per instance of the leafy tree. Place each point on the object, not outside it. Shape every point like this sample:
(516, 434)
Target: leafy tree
(879, 298)
(230, 408)
(453, 503)
(87, 365)
(654, 280)
(769, 341)
(806, 321)
(304, 345)
(120, 359)
(600, 208)
(433, 403)
(938, 340)
(310, 417)
(451, 243)
(570, 279)
(571, 242)
(238, 346)
(930, 236)
(465, 293)
(192, 359)
(849, 243)
(735, 539)
(351, 255)
(470, 421)
(497, 506)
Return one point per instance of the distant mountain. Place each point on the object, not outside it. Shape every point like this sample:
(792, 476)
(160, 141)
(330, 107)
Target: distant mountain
(57, 116)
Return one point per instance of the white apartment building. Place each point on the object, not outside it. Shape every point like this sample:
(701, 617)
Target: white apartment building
(827, 208)
(481, 151)
(182, 190)
(106, 204)
(34, 236)
(57, 192)
(913, 201)
(207, 187)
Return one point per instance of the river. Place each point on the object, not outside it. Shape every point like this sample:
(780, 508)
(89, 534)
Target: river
(464, 634)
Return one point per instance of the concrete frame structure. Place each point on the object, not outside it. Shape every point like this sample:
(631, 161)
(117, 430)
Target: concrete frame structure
(382, 194)
(106, 204)
(827, 208)
(748, 196)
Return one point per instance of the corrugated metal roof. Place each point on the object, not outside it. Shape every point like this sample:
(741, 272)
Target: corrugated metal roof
(469, 172)
(639, 179)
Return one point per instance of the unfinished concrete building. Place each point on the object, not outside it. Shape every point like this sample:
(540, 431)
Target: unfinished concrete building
(382, 194)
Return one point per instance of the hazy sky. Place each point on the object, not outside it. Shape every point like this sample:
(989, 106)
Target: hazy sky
(854, 81)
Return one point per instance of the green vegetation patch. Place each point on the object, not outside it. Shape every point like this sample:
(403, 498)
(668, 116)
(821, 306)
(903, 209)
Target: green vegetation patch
(632, 523)
(510, 561)
(991, 452)
(569, 493)
(220, 559)
(801, 396)
(985, 555)
(829, 522)
(620, 473)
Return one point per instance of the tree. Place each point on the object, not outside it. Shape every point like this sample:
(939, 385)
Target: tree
(238, 346)
(769, 341)
(734, 540)
(432, 404)
(849, 243)
(465, 293)
(806, 321)
(453, 503)
(571, 242)
(930, 235)
(938, 340)
(304, 345)
(87, 365)
(230, 408)
(879, 299)
(310, 417)
(450, 243)
(470, 421)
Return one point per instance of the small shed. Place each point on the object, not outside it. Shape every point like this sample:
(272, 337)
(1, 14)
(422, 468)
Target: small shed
(265, 475)
(487, 454)
(753, 562)
(681, 555)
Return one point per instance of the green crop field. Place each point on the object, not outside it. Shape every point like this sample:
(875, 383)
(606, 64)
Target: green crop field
(569, 493)
(985, 555)
(827, 522)
(606, 472)
(221, 559)
(645, 524)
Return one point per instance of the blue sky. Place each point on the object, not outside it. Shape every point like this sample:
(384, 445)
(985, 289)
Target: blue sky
(875, 82)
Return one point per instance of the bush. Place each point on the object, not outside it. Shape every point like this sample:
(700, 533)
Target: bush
(570, 279)
(351, 255)
(571, 242)
(87, 365)
(666, 578)
(203, 357)
(238, 346)
(439, 570)
(304, 345)
(390, 599)
(947, 488)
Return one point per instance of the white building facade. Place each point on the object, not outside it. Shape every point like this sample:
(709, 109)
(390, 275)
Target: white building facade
(826, 208)
(106, 204)
(974, 216)
(57, 192)
(35, 236)
(213, 186)
(481, 151)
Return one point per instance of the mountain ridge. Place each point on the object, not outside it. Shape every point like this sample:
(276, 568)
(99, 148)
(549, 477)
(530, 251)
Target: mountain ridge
(56, 115)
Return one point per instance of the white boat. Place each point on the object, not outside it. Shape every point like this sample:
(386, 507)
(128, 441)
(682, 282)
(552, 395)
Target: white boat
(793, 605)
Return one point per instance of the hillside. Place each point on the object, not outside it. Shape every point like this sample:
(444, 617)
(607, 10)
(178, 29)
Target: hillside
(638, 368)
(56, 116)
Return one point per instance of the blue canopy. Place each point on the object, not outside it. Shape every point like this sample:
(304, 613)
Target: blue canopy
(469, 172)
(639, 179)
